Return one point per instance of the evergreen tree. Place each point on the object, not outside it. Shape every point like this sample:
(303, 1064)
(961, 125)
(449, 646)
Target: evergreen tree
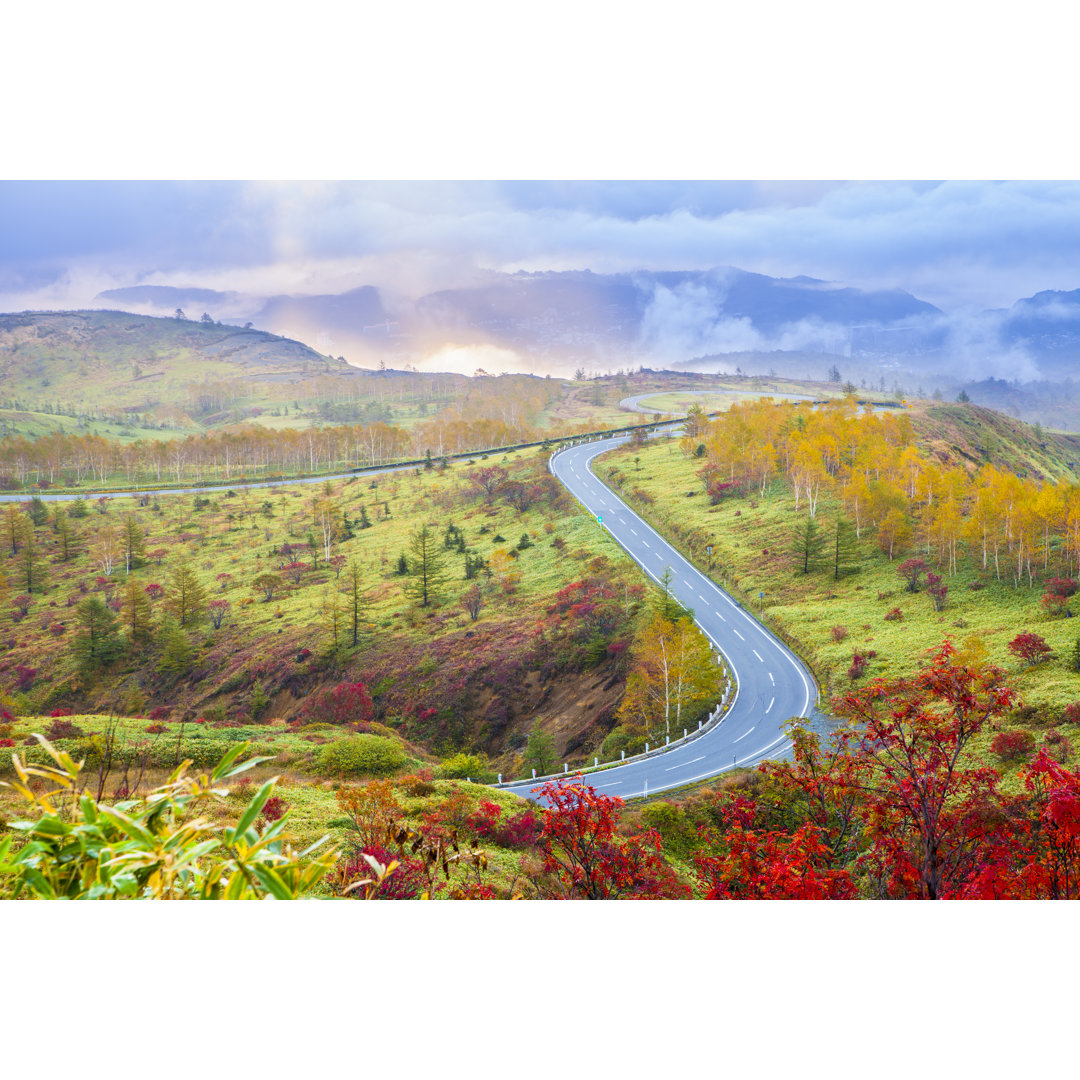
(365, 521)
(39, 512)
(807, 544)
(186, 598)
(333, 615)
(29, 560)
(426, 571)
(96, 642)
(540, 751)
(845, 549)
(176, 650)
(353, 582)
(135, 611)
(133, 538)
(65, 534)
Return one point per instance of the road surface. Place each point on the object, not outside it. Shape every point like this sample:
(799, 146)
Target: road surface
(773, 683)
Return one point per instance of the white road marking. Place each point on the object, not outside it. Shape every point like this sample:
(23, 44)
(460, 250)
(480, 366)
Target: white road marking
(702, 758)
(771, 679)
(703, 600)
(633, 530)
(769, 709)
(744, 734)
(735, 632)
(647, 544)
(757, 654)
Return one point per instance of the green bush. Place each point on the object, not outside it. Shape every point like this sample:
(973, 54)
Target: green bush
(361, 755)
(618, 740)
(467, 767)
(675, 828)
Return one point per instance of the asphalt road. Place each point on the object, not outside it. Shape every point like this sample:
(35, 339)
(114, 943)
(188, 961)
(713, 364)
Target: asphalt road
(773, 683)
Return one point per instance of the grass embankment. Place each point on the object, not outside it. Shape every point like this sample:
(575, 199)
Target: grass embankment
(828, 621)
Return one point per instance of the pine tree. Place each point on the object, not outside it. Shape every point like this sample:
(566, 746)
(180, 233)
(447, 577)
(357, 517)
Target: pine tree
(176, 650)
(426, 570)
(65, 534)
(353, 581)
(133, 539)
(29, 560)
(96, 643)
(186, 598)
(135, 611)
(540, 751)
(845, 549)
(807, 544)
(333, 615)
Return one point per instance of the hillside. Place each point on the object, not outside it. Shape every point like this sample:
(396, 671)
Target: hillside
(972, 436)
(85, 359)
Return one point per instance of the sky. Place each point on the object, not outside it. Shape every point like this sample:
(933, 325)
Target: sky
(957, 244)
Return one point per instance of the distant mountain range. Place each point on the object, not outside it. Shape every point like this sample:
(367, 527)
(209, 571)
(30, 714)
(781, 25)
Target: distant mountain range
(669, 318)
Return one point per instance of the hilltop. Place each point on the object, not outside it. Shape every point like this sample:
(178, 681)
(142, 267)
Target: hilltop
(85, 358)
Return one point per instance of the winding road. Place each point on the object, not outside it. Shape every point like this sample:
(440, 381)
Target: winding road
(773, 683)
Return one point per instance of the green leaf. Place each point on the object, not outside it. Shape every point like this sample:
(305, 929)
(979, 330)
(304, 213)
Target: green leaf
(247, 819)
(273, 883)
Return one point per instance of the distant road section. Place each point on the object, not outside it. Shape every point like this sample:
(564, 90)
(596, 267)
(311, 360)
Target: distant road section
(634, 404)
(773, 683)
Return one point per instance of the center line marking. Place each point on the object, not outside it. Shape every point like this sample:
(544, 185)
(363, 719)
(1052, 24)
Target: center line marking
(757, 654)
(735, 632)
(702, 758)
(744, 734)
(769, 709)
(634, 531)
(771, 679)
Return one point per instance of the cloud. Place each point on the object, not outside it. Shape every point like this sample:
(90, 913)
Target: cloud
(954, 244)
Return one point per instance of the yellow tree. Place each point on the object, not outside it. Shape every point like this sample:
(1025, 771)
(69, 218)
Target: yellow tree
(674, 671)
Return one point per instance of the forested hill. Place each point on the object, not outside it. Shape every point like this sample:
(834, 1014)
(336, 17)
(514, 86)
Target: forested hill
(111, 357)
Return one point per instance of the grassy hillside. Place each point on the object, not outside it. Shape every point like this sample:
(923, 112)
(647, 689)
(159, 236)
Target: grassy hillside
(440, 679)
(868, 612)
(971, 436)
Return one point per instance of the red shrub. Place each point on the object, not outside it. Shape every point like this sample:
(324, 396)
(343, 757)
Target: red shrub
(22, 603)
(859, 664)
(160, 712)
(274, 808)
(24, 677)
(1010, 745)
(405, 882)
(63, 729)
(60, 712)
(839, 633)
(1029, 647)
(520, 830)
(156, 729)
(895, 615)
(347, 703)
(7, 743)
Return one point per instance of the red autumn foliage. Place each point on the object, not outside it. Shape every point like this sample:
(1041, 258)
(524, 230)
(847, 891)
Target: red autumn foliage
(910, 569)
(1010, 745)
(859, 664)
(24, 677)
(937, 589)
(929, 818)
(294, 571)
(7, 743)
(347, 703)
(585, 856)
(1030, 648)
(758, 864)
